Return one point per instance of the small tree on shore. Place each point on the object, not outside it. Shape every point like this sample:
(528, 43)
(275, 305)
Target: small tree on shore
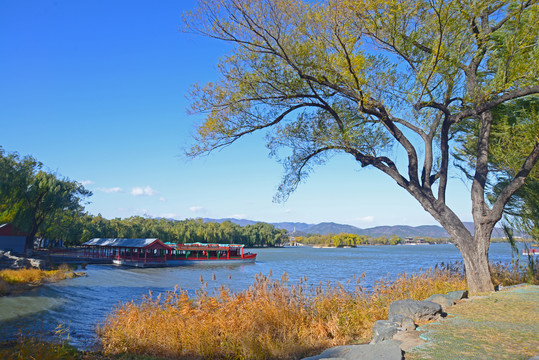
(368, 77)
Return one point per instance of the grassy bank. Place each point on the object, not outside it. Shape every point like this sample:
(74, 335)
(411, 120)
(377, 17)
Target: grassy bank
(270, 320)
(21, 279)
(501, 325)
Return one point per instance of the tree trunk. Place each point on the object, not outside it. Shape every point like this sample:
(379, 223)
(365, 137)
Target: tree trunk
(30, 242)
(475, 256)
(474, 249)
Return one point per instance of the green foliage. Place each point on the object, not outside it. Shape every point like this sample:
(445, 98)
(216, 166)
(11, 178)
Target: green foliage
(87, 227)
(394, 240)
(344, 239)
(35, 201)
(515, 127)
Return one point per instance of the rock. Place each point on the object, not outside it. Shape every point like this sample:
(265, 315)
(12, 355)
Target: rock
(21, 263)
(38, 263)
(458, 295)
(10, 261)
(384, 350)
(443, 300)
(417, 310)
(405, 322)
(383, 330)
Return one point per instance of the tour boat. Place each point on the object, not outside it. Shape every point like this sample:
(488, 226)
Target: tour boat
(528, 252)
(155, 253)
(208, 253)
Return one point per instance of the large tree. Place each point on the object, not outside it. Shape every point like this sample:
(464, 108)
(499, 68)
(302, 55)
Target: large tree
(373, 79)
(35, 200)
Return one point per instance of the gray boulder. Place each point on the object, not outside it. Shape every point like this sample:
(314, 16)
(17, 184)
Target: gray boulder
(383, 330)
(384, 350)
(417, 310)
(443, 300)
(10, 261)
(458, 295)
(405, 322)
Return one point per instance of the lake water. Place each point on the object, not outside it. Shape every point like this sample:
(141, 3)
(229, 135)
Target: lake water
(81, 303)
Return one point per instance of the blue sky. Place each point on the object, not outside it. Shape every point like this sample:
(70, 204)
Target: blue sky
(96, 90)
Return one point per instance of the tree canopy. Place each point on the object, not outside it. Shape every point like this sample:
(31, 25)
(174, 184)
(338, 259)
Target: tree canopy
(515, 127)
(179, 231)
(372, 79)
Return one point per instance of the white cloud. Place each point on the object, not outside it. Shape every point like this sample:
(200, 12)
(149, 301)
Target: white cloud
(162, 199)
(197, 209)
(111, 190)
(238, 216)
(86, 182)
(143, 191)
(366, 219)
(288, 211)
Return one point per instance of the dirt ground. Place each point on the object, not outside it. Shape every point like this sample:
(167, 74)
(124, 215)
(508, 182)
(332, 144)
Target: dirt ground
(500, 325)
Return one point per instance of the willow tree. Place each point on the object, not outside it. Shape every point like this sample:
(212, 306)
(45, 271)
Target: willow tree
(34, 200)
(374, 79)
(515, 126)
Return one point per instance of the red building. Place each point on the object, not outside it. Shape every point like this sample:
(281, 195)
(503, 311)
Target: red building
(11, 239)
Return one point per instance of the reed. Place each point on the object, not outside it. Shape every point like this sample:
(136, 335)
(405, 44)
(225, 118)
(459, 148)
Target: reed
(516, 272)
(270, 320)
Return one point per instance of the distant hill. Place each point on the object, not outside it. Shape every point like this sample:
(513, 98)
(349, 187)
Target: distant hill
(325, 228)
(240, 222)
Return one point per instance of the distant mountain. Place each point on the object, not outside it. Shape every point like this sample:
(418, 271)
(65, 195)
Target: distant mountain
(240, 222)
(325, 228)
(333, 228)
(294, 226)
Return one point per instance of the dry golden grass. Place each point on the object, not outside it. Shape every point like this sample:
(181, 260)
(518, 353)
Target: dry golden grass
(35, 276)
(270, 320)
(514, 273)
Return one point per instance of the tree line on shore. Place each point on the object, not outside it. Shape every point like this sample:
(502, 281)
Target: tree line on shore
(179, 231)
(346, 239)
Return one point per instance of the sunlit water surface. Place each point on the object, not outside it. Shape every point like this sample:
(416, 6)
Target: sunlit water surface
(82, 303)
